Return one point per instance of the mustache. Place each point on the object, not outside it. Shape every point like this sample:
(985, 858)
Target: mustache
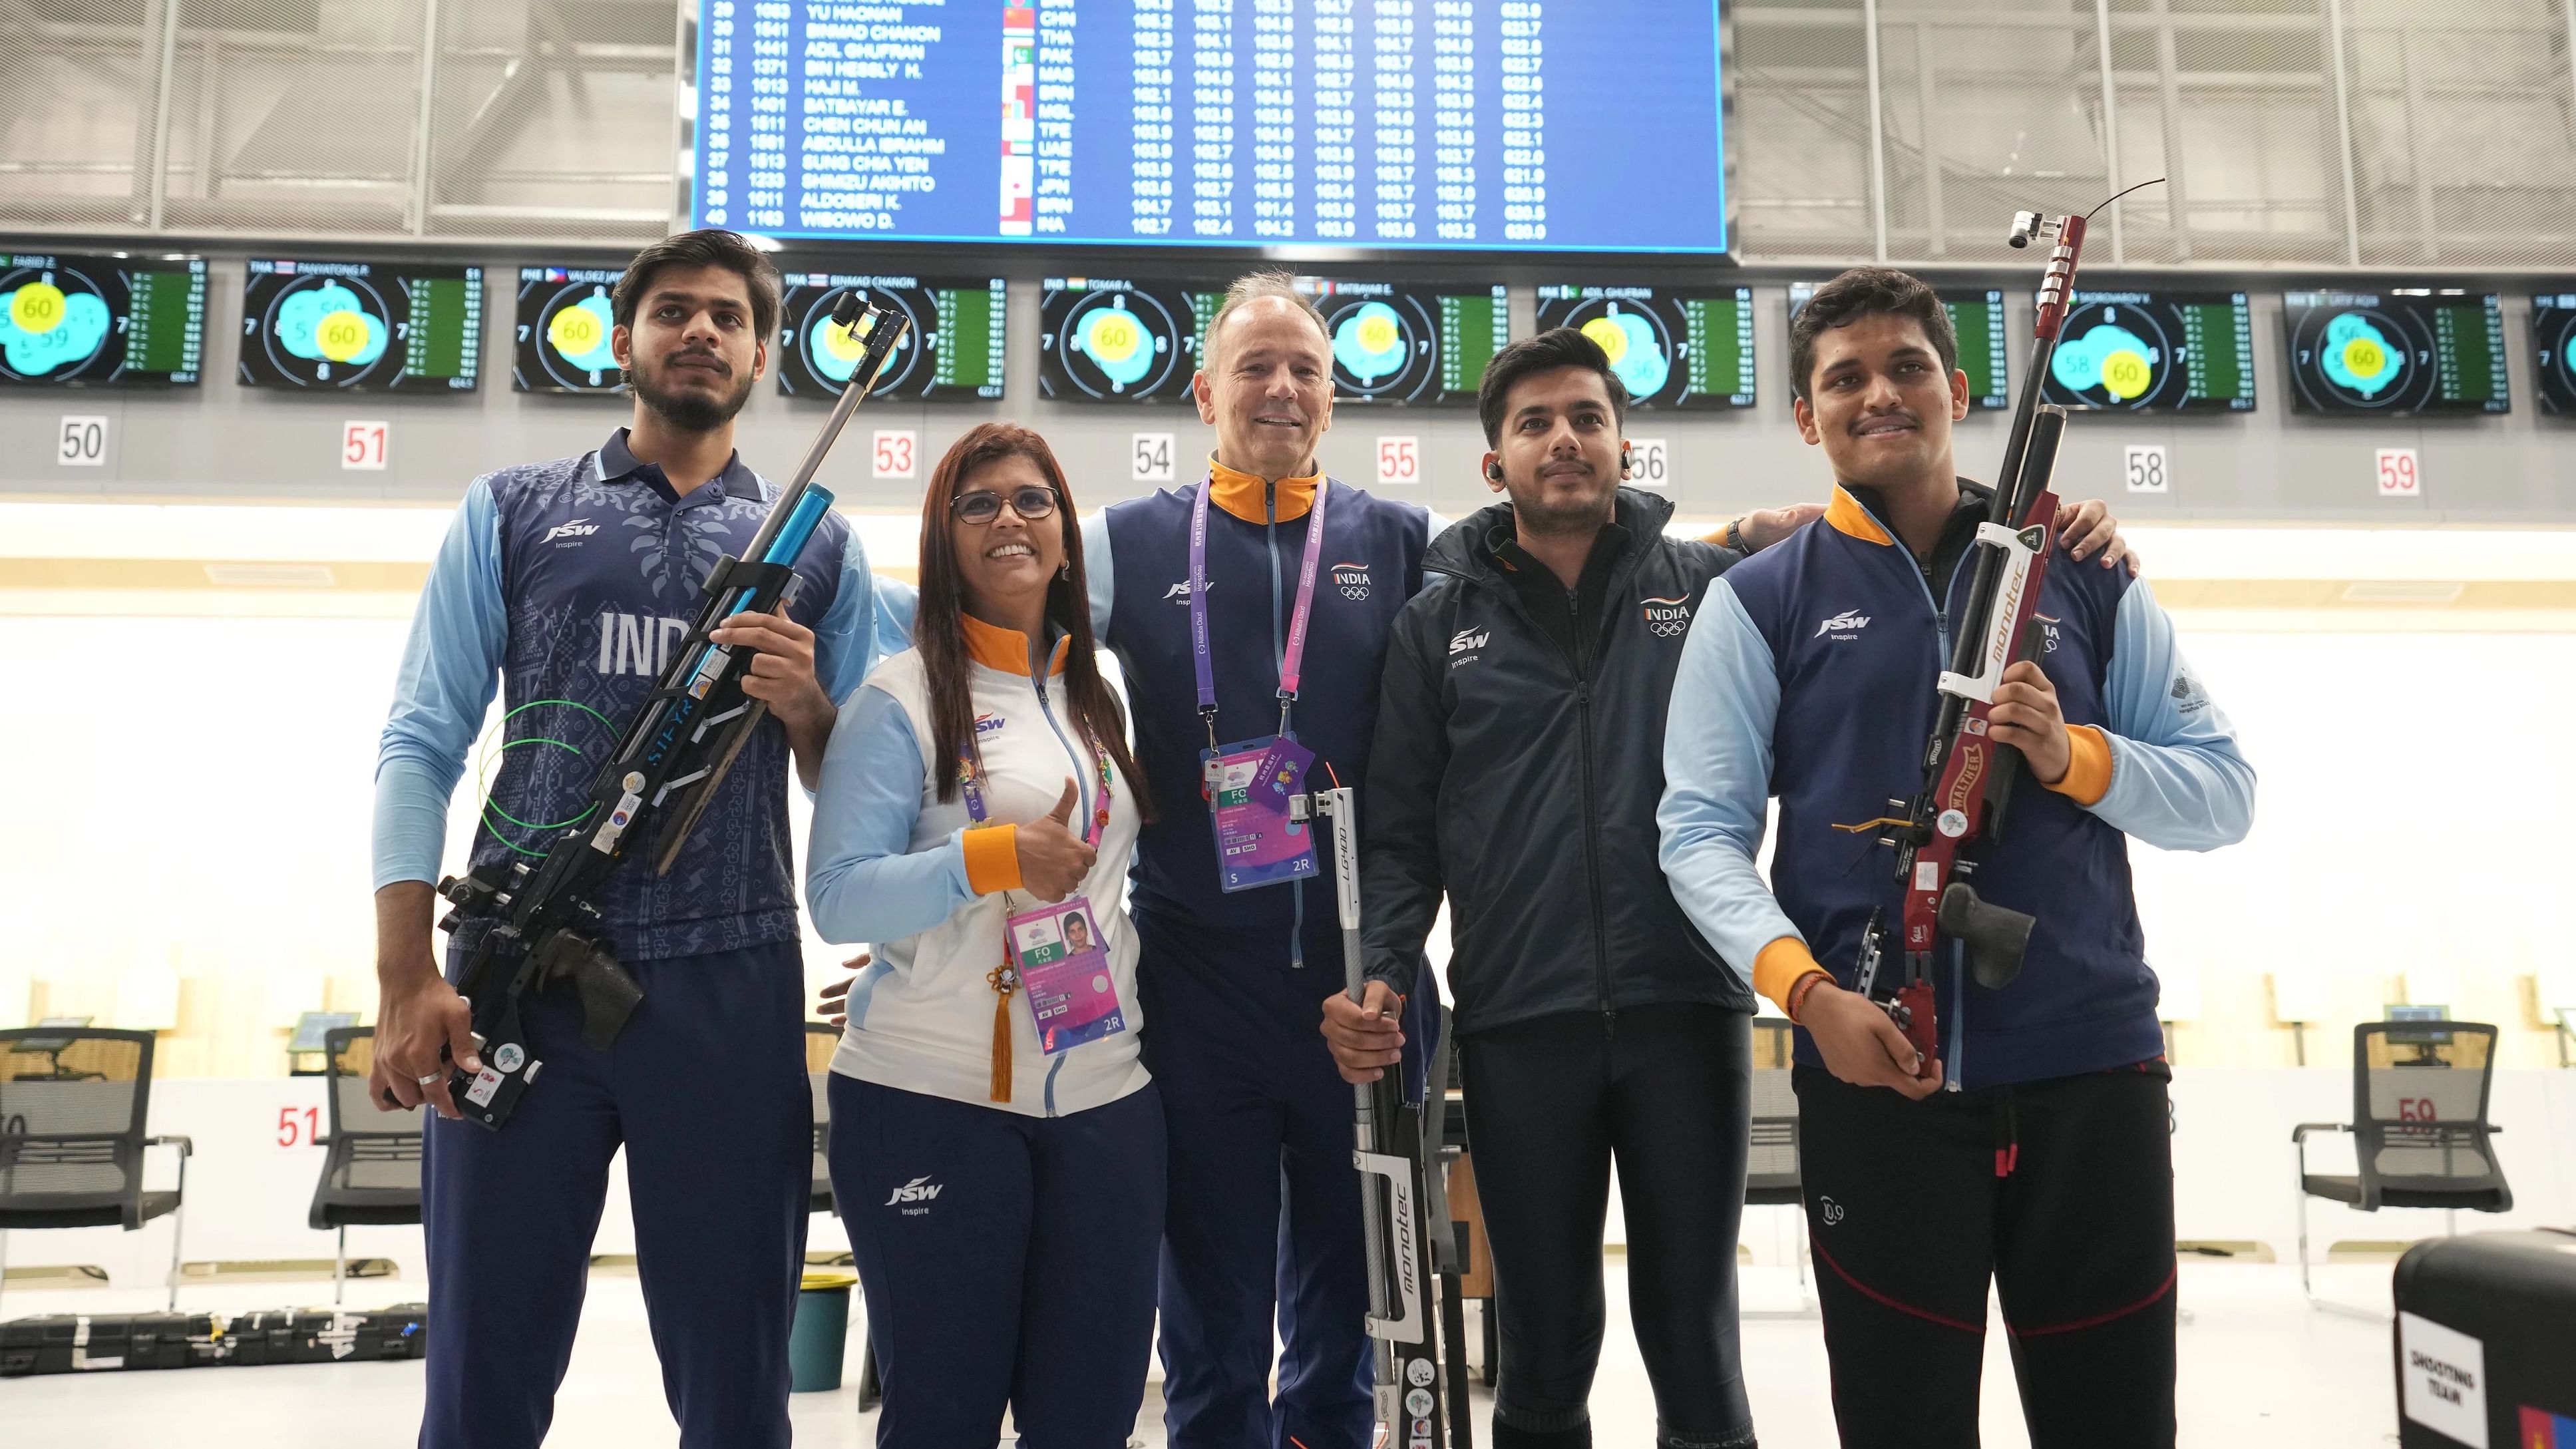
(699, 354)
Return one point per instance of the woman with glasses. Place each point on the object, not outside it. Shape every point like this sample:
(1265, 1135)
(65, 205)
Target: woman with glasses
(997, 1146)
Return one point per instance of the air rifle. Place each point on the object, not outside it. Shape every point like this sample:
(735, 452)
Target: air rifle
(1968, 778)
(1405, 1215)
(667, 766)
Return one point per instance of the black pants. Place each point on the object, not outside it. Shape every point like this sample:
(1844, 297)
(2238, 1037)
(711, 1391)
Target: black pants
(1550, 1102)
(2061, 1191)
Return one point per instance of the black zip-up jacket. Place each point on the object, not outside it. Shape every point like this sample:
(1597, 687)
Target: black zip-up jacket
(1518, 760)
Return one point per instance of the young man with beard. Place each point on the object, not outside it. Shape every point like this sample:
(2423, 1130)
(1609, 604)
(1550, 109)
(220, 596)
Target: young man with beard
(567, 581)
(2045, 1166)
(1518, 740)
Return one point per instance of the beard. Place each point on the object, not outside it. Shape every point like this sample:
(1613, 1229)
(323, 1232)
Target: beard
(687, 410)
(1545, 510)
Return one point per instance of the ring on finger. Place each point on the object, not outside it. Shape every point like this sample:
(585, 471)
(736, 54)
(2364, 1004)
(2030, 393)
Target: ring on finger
(430, 1080)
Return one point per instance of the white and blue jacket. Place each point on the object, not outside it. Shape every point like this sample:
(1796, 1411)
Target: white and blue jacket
(893, 864)
(566, 583)
(1809, 675)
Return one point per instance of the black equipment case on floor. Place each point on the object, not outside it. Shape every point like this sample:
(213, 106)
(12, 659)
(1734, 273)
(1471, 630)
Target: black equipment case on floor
(67, 1343)
(2486, 1341)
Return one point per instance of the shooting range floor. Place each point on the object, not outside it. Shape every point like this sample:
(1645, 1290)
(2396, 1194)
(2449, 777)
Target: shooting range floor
(2259, 1368)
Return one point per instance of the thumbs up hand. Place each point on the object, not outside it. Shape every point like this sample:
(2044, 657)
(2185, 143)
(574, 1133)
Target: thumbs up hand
(1054, 860)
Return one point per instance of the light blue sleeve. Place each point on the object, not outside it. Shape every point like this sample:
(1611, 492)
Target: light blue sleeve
(1717, 781)
(2178, 780)
(897, 602)
(862, 880)
(460, 637)
(1101, 570)
(845, 638)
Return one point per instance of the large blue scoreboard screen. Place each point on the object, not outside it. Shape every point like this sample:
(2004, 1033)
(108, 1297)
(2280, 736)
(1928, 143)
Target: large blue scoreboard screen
(1432, 125)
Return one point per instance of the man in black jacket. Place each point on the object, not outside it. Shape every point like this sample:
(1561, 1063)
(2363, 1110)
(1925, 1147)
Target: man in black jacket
(1517, 764)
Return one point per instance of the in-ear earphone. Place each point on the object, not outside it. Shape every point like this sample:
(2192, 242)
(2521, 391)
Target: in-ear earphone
(1494, 471)
(1623, 460)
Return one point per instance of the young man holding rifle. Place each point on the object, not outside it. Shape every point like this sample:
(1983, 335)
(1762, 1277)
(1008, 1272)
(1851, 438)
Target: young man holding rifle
(1516, 769)
(571, 583)
(2033, 1148)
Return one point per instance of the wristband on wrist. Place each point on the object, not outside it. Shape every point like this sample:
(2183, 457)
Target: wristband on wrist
(1735, 536)
(1798, 993)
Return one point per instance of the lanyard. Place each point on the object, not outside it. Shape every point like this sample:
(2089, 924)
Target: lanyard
(970, 783)
(1292, 661)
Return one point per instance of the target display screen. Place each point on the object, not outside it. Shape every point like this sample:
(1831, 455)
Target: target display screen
(1107, 339)
(564, 327)
(1669, 349)
(1404, 343)
(2155, 352)
(2553, 334)
(101, 321)
(2396, 351)
(362, 326)
(1978, 319)
(952, 350)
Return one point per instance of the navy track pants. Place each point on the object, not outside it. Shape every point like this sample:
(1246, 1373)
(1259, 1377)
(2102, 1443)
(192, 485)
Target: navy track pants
(1265, 1205)
(706, 1090)
(1006, 1260)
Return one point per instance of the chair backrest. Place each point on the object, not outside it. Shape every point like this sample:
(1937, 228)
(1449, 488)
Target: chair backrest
(351, 1054)
(821, 1040)
(1773, 1162)
(2419, 1101)
(73, 1100)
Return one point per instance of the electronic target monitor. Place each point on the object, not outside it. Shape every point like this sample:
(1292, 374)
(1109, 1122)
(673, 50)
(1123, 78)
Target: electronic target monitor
(951, 350)
(2553, 337)
(1978, 320)
(2155, 352)
(361, 326)
(1112, 339)
(1669, 348)
(101, 321)
(1387, 124)
(1397, 342)
(2396, 351)
(565, 323)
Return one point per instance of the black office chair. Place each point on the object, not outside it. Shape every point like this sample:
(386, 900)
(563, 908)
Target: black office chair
(2419, 1126)
(372, 1175)
(821, 1040)
(73, 1101)
(1771, 1166)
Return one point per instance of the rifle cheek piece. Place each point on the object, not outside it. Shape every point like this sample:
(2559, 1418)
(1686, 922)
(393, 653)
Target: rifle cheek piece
(1996, 938)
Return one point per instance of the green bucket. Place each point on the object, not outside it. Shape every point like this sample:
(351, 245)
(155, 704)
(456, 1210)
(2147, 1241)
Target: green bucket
(822, 1332)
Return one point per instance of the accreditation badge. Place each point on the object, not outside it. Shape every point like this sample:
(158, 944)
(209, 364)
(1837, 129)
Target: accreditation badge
(1256, 843)
(1062, 952)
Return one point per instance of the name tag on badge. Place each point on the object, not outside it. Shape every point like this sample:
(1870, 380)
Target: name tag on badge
(1256, 843)
(1062, 954)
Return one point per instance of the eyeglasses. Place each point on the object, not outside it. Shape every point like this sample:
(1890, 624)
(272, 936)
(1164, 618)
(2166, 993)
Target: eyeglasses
(983, 505)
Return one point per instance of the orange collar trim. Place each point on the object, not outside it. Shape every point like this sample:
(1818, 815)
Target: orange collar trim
(1239, 493)
(1848, 515)
(1007, 650)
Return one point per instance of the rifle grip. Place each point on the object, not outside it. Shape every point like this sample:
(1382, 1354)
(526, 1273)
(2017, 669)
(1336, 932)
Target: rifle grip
(608, 997)
(1996, 937)
(1922, 1032)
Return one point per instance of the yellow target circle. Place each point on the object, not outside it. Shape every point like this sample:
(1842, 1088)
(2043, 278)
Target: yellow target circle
(342, 334)
(2364, 357)
(38, 307)
(846, 343)
(2126, 375)
(1112, 337)
(1612, 337)
(574, 331)
(1377, 334)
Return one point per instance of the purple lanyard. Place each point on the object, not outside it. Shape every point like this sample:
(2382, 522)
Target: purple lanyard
(970, 783)
(1290, 662)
